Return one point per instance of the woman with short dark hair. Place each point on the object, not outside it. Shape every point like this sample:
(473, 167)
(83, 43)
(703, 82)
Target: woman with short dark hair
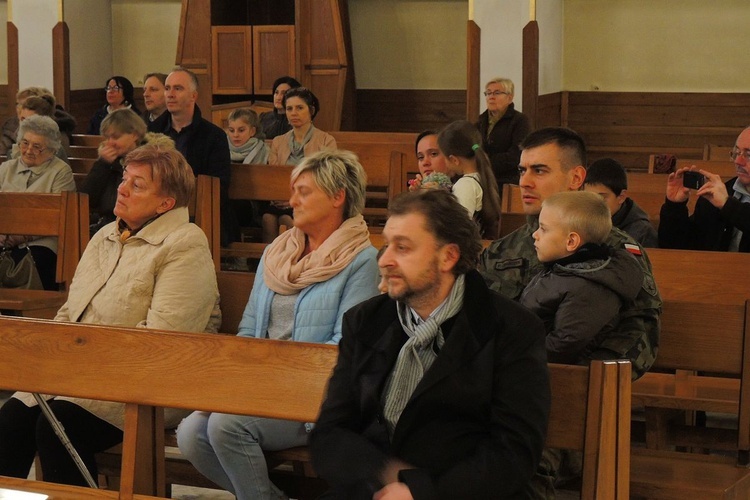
(119, 93)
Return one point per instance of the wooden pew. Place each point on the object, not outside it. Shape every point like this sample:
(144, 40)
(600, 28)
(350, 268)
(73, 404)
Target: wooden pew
(64, 215)
(703, 352)
(92, 141)
(81, 165)
(89, 152)
(256, 182)
(205, 208)
(148, 368)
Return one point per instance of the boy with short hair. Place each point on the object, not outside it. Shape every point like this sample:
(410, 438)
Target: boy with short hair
(607, 178)
(584, 283)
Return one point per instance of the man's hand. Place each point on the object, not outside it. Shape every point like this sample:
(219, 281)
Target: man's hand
(393, 491)
(676, 192)
(713, 189)
(390, 472)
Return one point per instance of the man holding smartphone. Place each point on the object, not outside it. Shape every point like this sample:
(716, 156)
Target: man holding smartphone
(721, 219)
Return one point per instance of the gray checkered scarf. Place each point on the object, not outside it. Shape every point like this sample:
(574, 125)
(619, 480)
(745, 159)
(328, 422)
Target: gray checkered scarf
(418, 353)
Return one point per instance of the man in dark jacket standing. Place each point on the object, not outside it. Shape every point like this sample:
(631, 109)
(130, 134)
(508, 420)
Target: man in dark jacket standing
(721, 220)
(503, 128)
(441, 388)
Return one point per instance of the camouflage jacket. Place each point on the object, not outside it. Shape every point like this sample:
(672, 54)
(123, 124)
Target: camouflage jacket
(509, 263)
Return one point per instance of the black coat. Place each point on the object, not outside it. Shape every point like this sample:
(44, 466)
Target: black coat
(502, 145)
(709, 228)
(476, 423)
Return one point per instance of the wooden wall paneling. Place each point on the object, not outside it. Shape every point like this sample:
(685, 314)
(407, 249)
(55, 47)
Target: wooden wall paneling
(194, 38)
(408, 110)
(349, 106)
(322, 56)
(83, 104)
(12, 63)
(473, 85)
(274, 54)
(328, 85)
(194, 46)
(231, 60)
(531, 71)
(6, 106)
(549, 110)
(220, 112)
(61, 63)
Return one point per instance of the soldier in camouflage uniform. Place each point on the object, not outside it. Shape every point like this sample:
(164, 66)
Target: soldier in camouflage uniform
(552, 160)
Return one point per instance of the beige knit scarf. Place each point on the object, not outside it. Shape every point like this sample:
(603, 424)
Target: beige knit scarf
(286, 272)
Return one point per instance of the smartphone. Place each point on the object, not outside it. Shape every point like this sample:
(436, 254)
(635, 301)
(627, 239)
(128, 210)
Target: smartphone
(693, 180)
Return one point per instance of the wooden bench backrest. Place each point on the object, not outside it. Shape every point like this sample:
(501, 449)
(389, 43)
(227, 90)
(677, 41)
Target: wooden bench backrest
(64, 215)
(260, 182)
(696, 276)
(88, 152)
(590, 412)
(92, 141)
(716, 152)
(178, 370)
(205, 208)
(81, 165)
(234, 290)
(275, 379)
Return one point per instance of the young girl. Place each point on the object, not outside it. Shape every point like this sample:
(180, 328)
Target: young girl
(245, 144)
(476, 190)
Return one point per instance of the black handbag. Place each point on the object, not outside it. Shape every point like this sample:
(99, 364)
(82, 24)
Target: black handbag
(22, 274)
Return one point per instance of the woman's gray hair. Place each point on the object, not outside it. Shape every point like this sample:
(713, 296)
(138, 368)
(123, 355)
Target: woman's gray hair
(333, 171)
(41, 125)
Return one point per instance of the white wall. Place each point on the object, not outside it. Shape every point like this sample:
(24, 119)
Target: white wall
(409, 44)
(90, 26)
(656, 45)
(34, 20)
(549, 15)
(144, 37)
(502, 23)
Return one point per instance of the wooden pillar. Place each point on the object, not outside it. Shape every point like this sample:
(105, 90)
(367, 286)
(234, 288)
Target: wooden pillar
(531, 71)
(473, 85)
(61, 63)
(12, 66)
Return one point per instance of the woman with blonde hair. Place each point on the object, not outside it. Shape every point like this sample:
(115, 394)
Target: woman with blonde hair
(307, 279)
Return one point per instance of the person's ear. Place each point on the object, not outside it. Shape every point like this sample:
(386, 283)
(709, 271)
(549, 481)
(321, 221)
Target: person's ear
(166, 205)
(573, 241)
(449, 256)
(577, 175)
(339, 198)
(622, 197)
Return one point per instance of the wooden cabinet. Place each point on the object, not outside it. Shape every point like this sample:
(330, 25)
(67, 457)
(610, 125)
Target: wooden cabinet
(231, 55)
(273, 56)
(237, 48)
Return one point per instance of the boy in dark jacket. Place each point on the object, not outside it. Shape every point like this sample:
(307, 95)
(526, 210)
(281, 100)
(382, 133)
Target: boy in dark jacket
(607, 178)
(584, 283)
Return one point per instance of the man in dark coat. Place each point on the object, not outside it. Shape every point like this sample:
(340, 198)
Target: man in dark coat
(441, 389)
(721, 219)
(203, 144)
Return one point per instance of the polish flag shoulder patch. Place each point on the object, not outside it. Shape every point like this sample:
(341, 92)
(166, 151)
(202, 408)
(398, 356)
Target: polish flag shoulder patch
(634, 249)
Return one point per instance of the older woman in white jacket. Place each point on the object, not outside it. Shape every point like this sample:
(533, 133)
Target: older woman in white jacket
(151, 268)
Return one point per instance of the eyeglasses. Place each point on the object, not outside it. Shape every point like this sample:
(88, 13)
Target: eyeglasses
(116, 88)
(736, 153)
(35, 148)
(496, 93)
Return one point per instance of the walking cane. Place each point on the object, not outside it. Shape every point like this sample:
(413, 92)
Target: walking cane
(60, 431)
